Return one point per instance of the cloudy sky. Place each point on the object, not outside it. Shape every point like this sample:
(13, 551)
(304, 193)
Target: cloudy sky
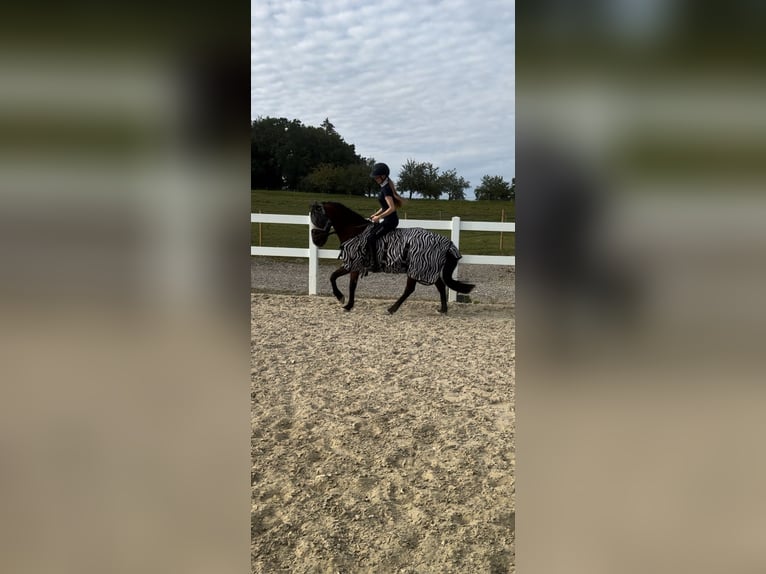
(428, 80)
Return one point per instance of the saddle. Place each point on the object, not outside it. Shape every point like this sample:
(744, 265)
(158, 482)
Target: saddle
(419, 253)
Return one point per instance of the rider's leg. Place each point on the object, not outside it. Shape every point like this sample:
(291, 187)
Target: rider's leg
(371, 259)
(378, 231)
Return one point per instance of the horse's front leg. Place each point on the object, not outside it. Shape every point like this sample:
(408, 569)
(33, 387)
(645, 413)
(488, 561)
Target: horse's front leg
(352, 281)
(340, 272)
(408, 289)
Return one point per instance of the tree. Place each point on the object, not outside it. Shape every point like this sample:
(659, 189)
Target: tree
(356, 179)
(371, 188)
(453, 185)
(283, 152)
(324, 179)
(421, 178)
(267, 137)
(348, 179)
(495, 187)
(328, 127)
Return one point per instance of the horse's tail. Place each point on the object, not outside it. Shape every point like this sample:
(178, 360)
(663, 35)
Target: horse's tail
(454, 284)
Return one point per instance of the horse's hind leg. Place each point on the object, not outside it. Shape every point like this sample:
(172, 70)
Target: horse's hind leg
(442, 294)
(340, 272)
(352, 281)
(409, 288)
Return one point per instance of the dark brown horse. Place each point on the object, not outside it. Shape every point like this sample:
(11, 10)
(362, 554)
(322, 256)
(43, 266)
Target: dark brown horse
(426, 257)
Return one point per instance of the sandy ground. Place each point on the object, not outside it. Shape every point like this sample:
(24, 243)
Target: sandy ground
(382, 443)
(494, 284)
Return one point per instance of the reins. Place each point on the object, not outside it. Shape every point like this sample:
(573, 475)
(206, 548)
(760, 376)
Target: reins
(350, 226)
(330, 229)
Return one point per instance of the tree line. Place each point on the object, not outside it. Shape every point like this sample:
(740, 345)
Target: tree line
(286, 154)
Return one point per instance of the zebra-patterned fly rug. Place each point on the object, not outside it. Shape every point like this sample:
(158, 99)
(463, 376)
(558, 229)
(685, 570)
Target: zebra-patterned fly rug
(419, 253)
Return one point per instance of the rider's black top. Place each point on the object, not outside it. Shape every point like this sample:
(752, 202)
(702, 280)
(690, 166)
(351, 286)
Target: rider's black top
(391, 219)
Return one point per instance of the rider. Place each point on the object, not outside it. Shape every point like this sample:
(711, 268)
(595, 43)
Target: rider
(385, 218)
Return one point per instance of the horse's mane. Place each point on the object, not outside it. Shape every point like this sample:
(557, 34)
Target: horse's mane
(347, 213)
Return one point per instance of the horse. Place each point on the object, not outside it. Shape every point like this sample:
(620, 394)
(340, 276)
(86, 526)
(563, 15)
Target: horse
(426, 257)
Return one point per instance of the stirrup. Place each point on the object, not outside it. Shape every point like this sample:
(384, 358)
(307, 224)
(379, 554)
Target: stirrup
(372, 265)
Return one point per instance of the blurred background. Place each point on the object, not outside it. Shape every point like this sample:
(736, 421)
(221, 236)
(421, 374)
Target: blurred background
(124, 414)
(640, 155)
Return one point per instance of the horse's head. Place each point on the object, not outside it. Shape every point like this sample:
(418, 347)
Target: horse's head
(321, 224)
(329, 214)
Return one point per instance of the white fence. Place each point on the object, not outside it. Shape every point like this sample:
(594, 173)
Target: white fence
(313, 253)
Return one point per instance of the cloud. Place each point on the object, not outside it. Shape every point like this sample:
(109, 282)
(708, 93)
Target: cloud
(432, 81)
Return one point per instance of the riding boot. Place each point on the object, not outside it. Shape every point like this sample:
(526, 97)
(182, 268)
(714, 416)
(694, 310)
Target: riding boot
(370, 259)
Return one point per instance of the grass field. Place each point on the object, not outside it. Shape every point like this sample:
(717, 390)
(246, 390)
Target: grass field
(296, 203)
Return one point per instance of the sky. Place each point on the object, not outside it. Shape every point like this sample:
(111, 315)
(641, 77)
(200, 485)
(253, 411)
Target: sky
(428, 80)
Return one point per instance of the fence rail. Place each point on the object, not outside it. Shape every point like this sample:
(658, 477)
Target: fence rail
(314, 254)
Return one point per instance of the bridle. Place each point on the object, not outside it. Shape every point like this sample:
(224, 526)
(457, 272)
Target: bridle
(326, 229)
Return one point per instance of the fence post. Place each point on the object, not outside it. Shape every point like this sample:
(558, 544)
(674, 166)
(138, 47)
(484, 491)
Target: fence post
(313, 263)
(455, 237)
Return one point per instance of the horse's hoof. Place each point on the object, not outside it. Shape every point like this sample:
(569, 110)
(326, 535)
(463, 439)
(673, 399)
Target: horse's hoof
(347, 308)
(443, 311)
(341, 299)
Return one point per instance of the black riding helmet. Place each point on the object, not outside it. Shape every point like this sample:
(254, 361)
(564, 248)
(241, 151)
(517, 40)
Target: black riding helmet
(380, 169)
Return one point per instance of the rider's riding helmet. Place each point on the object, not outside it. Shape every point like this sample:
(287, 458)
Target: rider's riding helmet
(380, 169)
